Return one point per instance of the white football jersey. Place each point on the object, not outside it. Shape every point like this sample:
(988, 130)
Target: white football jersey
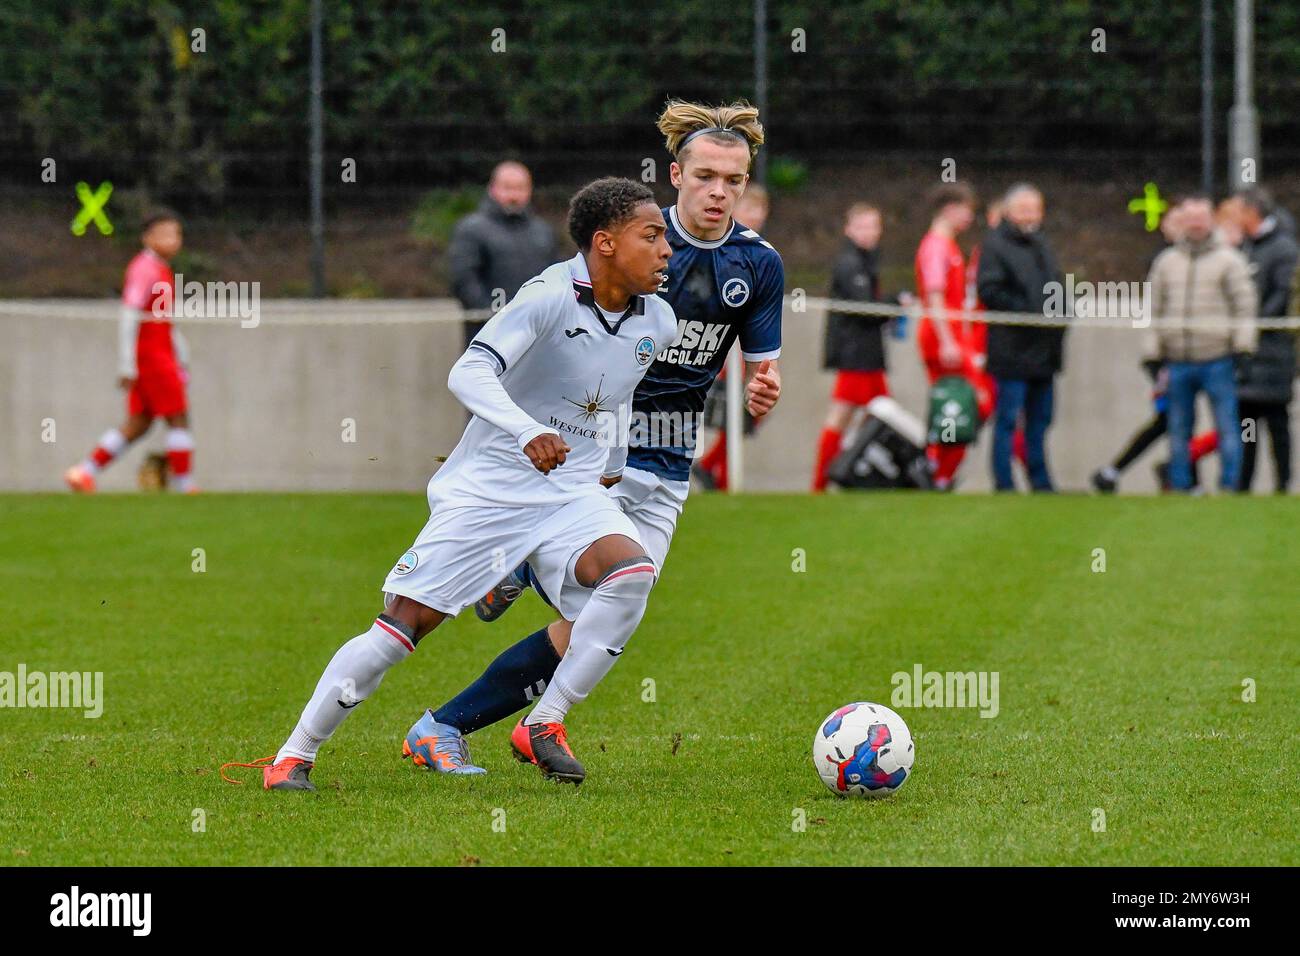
(570, 366)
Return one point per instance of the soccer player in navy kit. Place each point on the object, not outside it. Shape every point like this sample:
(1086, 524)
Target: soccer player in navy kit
(724, 281)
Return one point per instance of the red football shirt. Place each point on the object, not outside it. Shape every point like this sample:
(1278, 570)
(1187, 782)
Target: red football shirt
(150, 279)
(940, 268)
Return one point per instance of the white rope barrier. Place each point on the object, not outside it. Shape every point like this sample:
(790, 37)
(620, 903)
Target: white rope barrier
(433, 311)
(1078, 319)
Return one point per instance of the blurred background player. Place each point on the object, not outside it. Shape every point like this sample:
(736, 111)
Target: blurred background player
(710, 468)
(949, 343)
(152, 361)
(855, 344)
(500, 246)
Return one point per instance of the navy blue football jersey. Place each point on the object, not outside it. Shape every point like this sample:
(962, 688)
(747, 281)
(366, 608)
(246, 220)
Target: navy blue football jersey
(720, 289)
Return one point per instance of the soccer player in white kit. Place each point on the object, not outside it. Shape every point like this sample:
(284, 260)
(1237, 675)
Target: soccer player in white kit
(545, 380)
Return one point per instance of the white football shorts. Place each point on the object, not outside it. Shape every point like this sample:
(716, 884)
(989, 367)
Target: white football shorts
(653, 504)
(463, 551)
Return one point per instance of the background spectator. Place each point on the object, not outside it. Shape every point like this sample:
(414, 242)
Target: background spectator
(1106, 480)
(1264, 392)
(980, 331)
(753, 207)
(1228, 217)
(1016, 266)
(1199, 279)
(992, 219)
(855, 344)
(500, 246)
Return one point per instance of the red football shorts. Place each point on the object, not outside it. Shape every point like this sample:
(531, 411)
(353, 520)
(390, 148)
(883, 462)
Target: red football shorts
(157, 394)
(858, 387)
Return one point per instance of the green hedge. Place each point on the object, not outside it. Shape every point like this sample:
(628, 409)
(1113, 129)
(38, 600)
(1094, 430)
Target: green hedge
(415, 93)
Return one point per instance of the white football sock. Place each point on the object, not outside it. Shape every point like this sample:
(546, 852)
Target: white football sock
(350, 677)
(602, 629)
(112, 442)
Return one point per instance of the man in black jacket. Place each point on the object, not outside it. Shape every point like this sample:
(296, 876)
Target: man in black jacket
(1264, 389)
(1015, 272)
(855, 344)
(500, 246)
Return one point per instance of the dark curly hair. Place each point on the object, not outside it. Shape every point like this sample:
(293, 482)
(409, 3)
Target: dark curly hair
(603, 204)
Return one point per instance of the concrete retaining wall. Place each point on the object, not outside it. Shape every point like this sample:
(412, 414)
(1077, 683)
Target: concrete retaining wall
(268, 404)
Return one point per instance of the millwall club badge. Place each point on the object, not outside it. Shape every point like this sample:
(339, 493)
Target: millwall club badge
(645, 350)
(735, 292)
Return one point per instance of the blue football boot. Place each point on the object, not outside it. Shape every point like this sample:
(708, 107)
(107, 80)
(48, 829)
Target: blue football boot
(439, 747)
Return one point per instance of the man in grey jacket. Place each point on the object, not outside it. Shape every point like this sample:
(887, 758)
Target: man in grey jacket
(500, 246)
(1264, 392)
(1204, 304)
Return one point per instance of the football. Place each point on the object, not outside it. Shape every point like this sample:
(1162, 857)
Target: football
(863, 750)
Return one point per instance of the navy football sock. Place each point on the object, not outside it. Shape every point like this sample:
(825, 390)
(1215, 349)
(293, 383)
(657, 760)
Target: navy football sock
(518, 676)
(526, 572)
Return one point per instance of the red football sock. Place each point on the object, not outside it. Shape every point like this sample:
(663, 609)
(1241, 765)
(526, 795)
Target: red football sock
(179, 462)
(946, 459)
(1201, 445)
(828, 446)
(111, 444)
(717, 453)
(1018, 447)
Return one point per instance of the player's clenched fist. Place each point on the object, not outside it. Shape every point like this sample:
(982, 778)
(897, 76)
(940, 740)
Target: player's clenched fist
(546, 452)
(763, 390)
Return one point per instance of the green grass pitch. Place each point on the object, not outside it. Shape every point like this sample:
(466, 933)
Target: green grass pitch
(1120, 692)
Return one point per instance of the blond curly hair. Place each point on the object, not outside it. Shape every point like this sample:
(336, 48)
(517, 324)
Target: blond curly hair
(680, 119)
